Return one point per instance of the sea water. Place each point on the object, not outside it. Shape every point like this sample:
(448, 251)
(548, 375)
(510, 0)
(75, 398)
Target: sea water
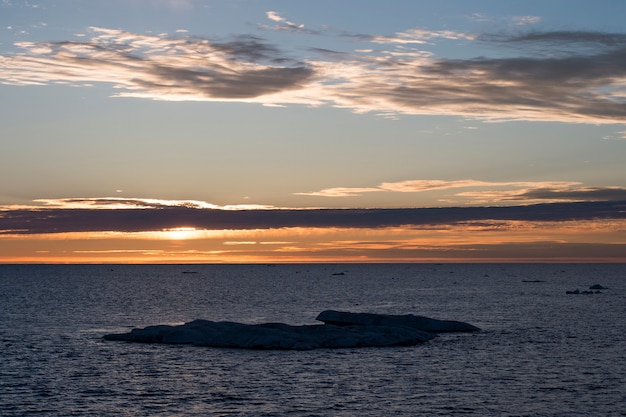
(541, 351)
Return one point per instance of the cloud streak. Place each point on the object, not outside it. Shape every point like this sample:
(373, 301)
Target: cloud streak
(282, 23)
(157, 67)
(564, 76)
(562, 201)
(117, 203)
(174, 216)
(498, 192)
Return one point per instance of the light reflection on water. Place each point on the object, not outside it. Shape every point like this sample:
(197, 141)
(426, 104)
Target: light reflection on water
(541, 352)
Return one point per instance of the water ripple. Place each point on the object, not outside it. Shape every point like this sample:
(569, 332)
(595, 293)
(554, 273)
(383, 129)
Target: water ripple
(542, 352)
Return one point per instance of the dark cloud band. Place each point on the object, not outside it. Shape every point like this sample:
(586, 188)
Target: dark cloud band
(55, 220)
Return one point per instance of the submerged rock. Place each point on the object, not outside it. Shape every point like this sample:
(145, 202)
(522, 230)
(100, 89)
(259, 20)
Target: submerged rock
(597, 287)
(342, 318)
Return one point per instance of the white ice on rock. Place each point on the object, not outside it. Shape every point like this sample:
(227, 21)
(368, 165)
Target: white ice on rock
(341, 330)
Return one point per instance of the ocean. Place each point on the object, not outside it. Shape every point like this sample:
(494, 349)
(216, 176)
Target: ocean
(541, 351)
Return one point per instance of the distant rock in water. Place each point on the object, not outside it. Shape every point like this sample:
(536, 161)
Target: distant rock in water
(368, 330)
(597, 287)
(341, 318)
(593, 289)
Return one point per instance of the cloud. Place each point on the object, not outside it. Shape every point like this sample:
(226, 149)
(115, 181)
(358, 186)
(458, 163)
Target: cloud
(480, 17)
(526, 20)
(46, 220)
(573, 38)
(564, 76)
(497, 193)
(417, 36)
(551, 194)
(157, 67)
(284, 24)
(120, 203)
(526, 191)
(341, 192)
(518, 21)
(274, 16)
(21, 4)
(617, 136)
(489, 192)
(412, 186)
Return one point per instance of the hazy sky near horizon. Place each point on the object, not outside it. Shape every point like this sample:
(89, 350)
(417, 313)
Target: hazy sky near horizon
(348, 104)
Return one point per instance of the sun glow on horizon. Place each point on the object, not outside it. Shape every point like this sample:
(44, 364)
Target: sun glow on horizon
(182, 233)
(496, 241)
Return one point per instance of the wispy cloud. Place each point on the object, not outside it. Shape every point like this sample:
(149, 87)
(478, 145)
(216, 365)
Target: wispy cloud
(341, 192)
(617, 136)
(412, 186)
(551, 194)
(572, 38)
(418, 36)
(23, 4)
(511, 20)
(490, 192)
(119, 203)
(158, 67)
(283, 24)
(526, 20)
(565, 76)
(191, 218)
(567, 201)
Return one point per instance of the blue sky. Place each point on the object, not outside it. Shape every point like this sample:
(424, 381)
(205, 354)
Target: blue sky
(294, 104)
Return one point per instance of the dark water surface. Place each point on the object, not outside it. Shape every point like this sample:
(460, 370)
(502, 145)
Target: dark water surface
(542, 352)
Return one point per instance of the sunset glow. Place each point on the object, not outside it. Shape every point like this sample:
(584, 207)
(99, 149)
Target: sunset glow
(220, 172)
(180, 233)
(582, 241)
(188, 131)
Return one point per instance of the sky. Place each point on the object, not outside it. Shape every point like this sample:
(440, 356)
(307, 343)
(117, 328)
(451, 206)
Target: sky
(249, 131)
